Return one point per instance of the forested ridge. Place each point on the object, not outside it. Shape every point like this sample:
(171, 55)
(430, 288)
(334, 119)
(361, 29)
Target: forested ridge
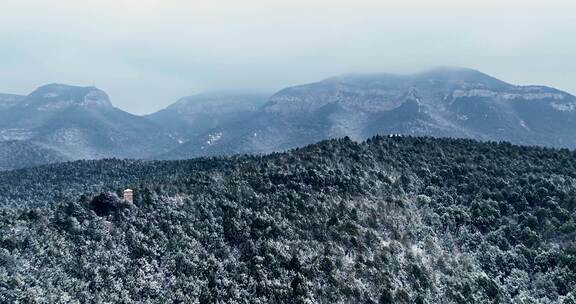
(48, 184)
(389, 220)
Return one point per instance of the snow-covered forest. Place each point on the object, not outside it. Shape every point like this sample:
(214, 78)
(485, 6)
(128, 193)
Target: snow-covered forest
(389, 220)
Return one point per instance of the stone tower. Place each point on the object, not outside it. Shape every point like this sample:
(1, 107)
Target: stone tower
(129, 195)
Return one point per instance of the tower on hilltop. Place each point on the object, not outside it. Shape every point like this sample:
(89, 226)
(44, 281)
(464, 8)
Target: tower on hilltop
(129, 195)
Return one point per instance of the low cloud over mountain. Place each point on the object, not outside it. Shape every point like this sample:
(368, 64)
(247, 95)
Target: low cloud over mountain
(81, 123)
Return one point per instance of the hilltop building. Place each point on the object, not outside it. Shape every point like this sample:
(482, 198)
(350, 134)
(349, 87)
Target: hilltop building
(129, 195)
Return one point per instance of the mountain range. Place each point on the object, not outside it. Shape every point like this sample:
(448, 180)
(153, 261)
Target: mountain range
(443, 102)
(59, 122)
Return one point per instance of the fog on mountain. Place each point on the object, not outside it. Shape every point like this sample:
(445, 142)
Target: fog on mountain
(60, 122)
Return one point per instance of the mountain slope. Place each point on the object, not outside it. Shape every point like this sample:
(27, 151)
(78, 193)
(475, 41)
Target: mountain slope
(444, 102)
(18, 154)
(390, 220)
(79, 123)
(9, 100)
(193, 115)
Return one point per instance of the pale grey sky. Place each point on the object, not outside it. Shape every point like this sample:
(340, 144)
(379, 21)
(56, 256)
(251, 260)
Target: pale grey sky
(148, 53)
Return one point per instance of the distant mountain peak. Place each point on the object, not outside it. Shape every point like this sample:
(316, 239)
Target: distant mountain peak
(57, 96)
(217, 99)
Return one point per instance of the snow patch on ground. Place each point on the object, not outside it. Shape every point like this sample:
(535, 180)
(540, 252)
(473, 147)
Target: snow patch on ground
(15, 134)
(57, 105)
(213, 138)
(564, 107)
(180, 141)
(523, 124)
(71, 142)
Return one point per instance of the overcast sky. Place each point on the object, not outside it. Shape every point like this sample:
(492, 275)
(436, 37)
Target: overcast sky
(148, 53)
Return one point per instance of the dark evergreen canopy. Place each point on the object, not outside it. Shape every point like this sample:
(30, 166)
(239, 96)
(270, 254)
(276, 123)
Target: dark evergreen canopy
(390, 220)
